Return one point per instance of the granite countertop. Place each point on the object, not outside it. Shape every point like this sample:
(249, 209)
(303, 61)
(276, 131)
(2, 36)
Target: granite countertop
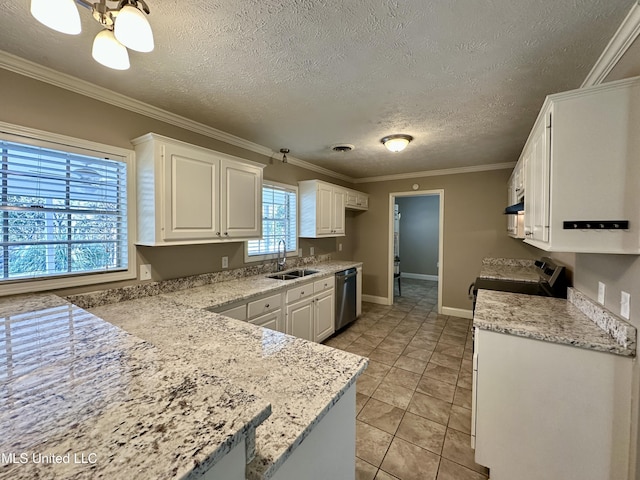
(162, 386)
(552, 320)
(517, 270)
(224, 293)
(301, 380)
(74, 384)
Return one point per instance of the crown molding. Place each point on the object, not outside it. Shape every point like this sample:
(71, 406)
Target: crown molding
(625, 35)
(44, 74)
(436, 173)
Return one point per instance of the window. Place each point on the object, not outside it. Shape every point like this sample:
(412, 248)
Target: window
(64, 213)
(279, 214)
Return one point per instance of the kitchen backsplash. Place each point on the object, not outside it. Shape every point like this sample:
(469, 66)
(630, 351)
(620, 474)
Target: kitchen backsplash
(131, 292)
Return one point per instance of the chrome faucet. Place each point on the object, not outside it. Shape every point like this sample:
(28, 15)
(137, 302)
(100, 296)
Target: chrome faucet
(281, 261)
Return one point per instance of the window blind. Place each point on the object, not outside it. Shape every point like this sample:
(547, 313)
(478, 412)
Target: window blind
(62, 213)
(279, 216)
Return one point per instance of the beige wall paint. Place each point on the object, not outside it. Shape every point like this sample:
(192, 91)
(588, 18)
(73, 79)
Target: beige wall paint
(474, 228)
(31, 103)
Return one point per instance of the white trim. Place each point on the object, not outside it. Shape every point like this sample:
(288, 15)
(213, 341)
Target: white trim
(435, 173)
(419, 276)
(37, 285)
(375, 299)
(625, 35)
(458, 312)
(416, 193)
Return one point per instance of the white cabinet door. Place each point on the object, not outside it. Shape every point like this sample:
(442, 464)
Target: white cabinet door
(271, 320)
(324, 315)
(191, 208)
(241, 200)
(300, 319)
(540, 182)
(338, 213)
(324, 217)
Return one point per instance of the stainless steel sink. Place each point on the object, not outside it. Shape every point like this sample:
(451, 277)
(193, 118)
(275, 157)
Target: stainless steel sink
(293, 274)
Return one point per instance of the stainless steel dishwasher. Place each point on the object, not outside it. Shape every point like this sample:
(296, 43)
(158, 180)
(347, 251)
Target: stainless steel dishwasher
(345, 297)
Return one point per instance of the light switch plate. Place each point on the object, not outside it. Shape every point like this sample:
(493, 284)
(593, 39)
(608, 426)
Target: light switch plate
(339, 247)
(311, 251)
(625, 300)
(225, 262)
(601, 289)
(145, 272)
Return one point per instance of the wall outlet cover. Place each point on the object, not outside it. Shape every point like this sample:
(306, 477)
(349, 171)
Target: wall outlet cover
(339, 247)
(225, 262)
(312, 251)
(601, 290)
(625, 300)
(145, 272)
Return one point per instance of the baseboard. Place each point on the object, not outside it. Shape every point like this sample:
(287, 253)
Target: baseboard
(457, 312)
(419, 276)
(375, 299)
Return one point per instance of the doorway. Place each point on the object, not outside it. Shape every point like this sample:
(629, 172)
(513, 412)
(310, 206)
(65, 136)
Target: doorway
(414, 255)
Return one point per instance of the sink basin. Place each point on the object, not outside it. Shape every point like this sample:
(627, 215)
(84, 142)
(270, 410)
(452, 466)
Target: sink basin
(302, 273)
(293, 274)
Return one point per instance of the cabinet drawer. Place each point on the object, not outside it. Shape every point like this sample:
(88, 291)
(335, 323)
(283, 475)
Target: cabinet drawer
(264, 305)
(323, 284)
(296, 293)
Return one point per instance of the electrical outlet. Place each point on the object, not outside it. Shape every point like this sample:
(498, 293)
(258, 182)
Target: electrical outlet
(601, 289)
(311, 251)
(299, 252)
(339, 247)
(225, 262)
(145, 272)
(625, 300)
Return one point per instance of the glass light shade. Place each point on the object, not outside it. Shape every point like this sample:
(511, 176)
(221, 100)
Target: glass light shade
(109, 52)
(132, 29)
(60, 15)
(396, 143)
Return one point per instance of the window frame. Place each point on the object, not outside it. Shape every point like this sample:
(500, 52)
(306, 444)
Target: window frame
(40, 138)
(273, 256)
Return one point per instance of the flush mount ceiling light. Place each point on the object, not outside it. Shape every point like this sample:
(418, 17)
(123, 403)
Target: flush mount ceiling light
(125, 26)
(396, 143)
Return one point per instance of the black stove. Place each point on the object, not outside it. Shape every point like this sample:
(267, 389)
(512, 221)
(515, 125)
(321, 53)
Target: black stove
(552, 282)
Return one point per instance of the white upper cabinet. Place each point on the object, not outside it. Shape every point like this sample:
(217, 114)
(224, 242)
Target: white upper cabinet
(582, 174)
(356, 200)
(322, 209)
(188, 194)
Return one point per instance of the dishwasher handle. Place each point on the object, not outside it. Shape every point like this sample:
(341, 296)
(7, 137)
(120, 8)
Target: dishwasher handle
(352, 272)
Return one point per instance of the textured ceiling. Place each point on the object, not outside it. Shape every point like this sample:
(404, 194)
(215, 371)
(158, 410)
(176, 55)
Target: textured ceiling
(466, 78)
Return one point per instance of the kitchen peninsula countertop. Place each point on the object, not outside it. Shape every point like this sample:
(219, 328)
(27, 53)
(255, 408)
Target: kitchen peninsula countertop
(302, 380)
(553, 320)
(162, 386)
(75, 384)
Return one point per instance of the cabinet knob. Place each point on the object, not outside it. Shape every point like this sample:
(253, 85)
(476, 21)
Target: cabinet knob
(302, 293)
(266, 306)
(226, 234)
(218, 233)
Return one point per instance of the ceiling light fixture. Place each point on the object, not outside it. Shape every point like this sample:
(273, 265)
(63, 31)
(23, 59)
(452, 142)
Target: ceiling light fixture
(125, 26)
(396, 143)
(284, 152)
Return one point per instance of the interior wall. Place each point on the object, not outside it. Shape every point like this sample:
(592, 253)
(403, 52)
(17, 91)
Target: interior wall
(34, 104)
(419, 234)
(474, 227)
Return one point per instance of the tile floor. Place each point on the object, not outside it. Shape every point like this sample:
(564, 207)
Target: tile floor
(414, 399)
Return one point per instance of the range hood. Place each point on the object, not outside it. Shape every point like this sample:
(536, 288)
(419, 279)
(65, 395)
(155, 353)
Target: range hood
(514, 209)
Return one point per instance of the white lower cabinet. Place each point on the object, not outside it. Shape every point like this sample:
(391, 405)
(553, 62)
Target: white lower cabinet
(300, 319)
(544, 410)
(263, 312)
(311, 310)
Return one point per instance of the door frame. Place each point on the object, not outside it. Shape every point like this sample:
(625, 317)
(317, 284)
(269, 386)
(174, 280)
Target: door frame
(392, 201)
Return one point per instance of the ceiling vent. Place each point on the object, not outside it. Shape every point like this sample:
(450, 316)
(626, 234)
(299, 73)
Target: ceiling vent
(342, 148)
